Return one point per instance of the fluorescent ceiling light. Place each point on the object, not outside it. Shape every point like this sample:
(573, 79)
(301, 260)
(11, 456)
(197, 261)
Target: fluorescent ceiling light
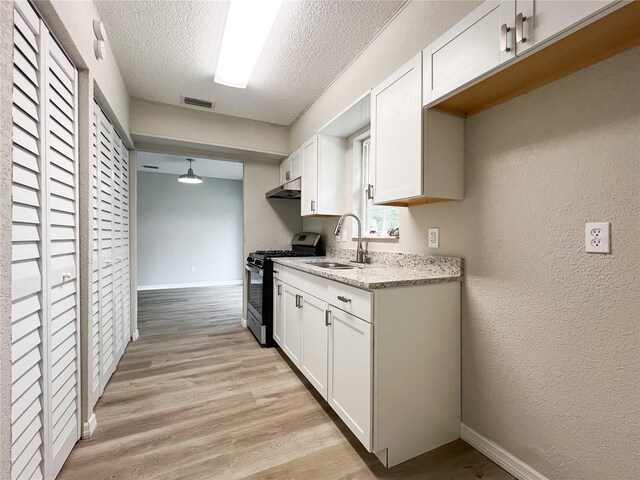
(248, 25)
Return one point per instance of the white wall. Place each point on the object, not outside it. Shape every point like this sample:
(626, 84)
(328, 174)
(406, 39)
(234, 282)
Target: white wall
(268, 223)
(550, 334)
(181, 225)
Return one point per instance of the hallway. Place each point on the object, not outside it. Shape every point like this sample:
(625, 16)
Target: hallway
(196, 398)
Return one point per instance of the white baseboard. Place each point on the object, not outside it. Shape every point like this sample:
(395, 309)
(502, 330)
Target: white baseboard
(135, 335)
(168, 286)
(89, 427)
(499, 455)
(244, 322)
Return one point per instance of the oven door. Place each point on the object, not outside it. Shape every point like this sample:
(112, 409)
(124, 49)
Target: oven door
(254, 291)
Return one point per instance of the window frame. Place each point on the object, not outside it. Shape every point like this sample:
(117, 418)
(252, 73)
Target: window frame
(359, 193)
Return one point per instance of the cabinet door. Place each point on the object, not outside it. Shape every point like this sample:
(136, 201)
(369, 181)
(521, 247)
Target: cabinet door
(278, 314)
(350, 367)
(296, 164)
(542, 20)
(285, 171)
(477, 44)
(291, 322)
(309, 196)
(396, 134)
(315, 342)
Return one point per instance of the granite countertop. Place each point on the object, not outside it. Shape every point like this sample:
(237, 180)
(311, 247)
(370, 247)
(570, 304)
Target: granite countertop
(394, 272)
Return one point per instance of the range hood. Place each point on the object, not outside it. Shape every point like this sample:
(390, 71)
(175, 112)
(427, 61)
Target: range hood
(289, 191)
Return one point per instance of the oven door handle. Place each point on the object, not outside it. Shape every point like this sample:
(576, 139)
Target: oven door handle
(256, 270)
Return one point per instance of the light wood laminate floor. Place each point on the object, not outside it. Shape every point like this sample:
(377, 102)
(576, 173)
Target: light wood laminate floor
(196, 398)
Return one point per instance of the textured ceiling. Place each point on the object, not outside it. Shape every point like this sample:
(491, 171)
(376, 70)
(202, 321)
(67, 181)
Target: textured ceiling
(178, 165)
(169, 49)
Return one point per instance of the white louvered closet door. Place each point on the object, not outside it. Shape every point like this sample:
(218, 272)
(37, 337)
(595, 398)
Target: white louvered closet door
(27, 313)
(105, 191)
(95, 274)
(61, 202)
(45, 335)
(126, 292)
(117, 245)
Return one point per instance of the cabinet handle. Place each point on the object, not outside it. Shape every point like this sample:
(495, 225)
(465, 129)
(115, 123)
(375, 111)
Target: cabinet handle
(504, 43)
(279, 289)
(370, 192)
(313, 205)
(345, 299)
(297, 301)
(520, 19)
(288, 176)
(327, 318)
(300, 301)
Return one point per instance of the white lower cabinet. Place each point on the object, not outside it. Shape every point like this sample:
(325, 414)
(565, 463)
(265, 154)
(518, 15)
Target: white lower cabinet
(350, 372)
(278, 317)
(292, 341)
(315, 342)
(387, 361)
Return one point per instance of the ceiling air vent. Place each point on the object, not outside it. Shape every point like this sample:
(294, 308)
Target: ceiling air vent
(152, 167)
(196, 102)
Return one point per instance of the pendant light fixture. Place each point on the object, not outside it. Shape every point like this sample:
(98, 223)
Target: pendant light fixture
(190, 177)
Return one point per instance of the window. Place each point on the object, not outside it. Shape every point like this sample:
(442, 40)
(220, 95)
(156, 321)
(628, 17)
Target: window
(377, 221)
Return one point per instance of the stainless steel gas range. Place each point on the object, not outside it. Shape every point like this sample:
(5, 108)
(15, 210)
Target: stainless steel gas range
(260, 282)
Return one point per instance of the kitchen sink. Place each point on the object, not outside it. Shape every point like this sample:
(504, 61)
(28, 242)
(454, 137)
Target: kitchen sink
(333, 265)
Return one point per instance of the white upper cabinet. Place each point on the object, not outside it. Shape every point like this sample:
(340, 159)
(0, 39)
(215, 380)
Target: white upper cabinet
(537, 21)
(323, 176)
(497, 33)
(477, 44)
(291, 167)
(418, 155)
(285, 170)
(295, 160)
(396, 133)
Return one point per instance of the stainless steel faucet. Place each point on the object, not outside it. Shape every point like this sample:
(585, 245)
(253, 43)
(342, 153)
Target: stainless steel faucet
(360, 252)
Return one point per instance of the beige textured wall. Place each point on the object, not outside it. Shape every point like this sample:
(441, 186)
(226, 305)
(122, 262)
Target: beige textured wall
(268, 224)
(206, 128)
(6, 87)
(550, 353)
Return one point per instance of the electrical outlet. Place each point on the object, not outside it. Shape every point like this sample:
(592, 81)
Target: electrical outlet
(597, 237)
(193, 268)
(434, 238)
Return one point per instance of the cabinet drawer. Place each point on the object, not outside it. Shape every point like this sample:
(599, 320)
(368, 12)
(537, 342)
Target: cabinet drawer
(352, 300)
(305, 282)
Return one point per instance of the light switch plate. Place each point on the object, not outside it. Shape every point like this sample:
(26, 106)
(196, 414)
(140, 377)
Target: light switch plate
(434, 238)
(597, 237)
